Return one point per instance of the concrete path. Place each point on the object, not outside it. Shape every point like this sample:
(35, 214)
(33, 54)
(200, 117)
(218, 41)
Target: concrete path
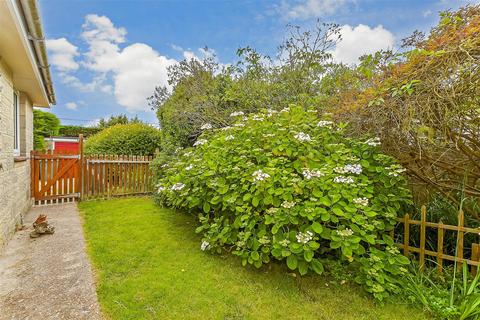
(48, 277)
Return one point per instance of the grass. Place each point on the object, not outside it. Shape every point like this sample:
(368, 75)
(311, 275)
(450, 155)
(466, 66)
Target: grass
(149, 266)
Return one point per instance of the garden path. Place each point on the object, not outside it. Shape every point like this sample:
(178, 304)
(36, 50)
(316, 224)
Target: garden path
(49, 277)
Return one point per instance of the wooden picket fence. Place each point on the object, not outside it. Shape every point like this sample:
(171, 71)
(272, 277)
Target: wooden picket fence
(107, 176)
(439, 255)
(69, 176)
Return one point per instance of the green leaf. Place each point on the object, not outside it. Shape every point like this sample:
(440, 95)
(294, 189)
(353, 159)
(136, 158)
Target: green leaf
(302, 268)
(292, 262)
(206, 207)
(325, 201)
(317, 266)
(255, 256)
(317, 227)
(402, 259)
(338, 211)
(255, 201)
(308, 255)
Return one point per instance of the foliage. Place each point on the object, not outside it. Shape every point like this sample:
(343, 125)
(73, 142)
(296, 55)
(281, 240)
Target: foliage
(446, 299)
(148, 266)
(125, 139)
(284, 186)
(206, 91)
(75, 131)
(114, 120)
(425, 106)
(45, 124)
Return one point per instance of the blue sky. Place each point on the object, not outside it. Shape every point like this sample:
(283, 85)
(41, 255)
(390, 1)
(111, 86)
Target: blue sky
(107, 56)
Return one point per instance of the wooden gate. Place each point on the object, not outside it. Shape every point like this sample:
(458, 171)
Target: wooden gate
(56, 177)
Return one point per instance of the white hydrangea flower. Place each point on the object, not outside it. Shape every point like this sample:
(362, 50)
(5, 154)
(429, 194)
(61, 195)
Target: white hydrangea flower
(164, 165)
(271, 112)
(343, 179)
(284, 243)
(304, 237)
(395, 170)
(229, 137)
(303, 137)
(264, 240)
(349, 168)
(345, 233)
(206, 126)
(288, 205)
(259, 175)
(204, 246)
(272, 210)
(226, 128)
(361, 201)
(236, 114)
(325, 124)
(189, 167)
(339, 170)
(177, 187)
(373, 142)
(200, 142)
(353, 168)
(309, 174)
(161, 189)
(286, 109)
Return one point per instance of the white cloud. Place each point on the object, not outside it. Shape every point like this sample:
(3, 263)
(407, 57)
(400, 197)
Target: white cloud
(138, 70)
(427, 13)
(360, 40)
(130, 73)
(135, 69)
(306, 9)
(62, 54)
(71, 105)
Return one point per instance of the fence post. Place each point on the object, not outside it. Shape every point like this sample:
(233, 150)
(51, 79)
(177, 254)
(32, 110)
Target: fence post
(475, 257)
(80, 166)
(423, 228)
(440, 247)
(406, 234)
(461, 220)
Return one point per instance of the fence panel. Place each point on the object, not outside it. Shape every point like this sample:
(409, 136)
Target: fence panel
(422, 251)
(109, 176)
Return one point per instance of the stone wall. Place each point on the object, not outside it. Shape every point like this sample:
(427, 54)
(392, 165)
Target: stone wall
(15, 197)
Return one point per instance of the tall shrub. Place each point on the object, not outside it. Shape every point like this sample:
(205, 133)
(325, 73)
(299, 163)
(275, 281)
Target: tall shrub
(125, 139)
(285, 186)
(45, 124)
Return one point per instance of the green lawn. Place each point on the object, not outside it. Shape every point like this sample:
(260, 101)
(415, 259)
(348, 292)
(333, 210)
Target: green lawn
(149, 266)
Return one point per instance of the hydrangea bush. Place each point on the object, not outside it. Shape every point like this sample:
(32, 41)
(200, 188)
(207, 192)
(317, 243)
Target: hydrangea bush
(286, 186)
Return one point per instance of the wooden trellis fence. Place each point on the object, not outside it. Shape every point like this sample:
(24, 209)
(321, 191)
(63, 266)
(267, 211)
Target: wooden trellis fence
(439, 254)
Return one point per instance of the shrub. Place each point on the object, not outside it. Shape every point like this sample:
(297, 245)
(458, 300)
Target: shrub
(285, 186)
(125, 139)
(45, 124)
(75, 131)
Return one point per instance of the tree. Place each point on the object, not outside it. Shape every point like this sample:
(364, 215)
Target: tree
(425, 107)
(45, 124)
(206, 92)
(119, 119)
